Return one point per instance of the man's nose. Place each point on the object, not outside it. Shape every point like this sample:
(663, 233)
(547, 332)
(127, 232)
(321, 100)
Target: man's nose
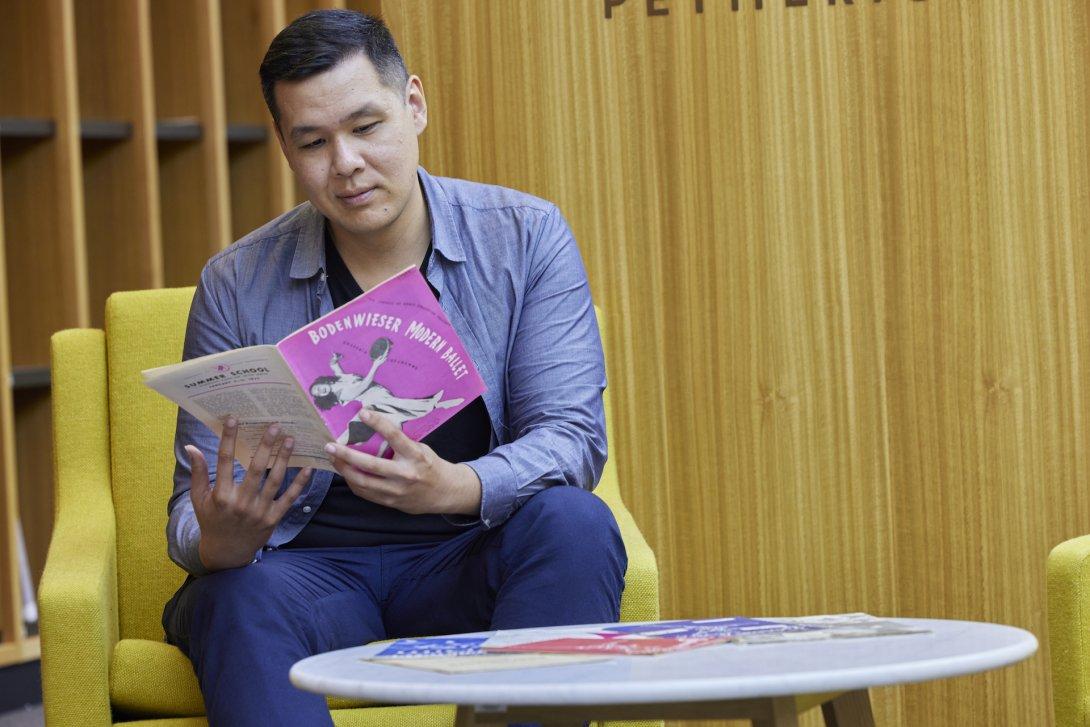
(346, 159)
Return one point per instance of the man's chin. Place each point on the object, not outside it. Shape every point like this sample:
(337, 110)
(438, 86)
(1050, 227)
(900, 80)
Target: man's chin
(361, 225)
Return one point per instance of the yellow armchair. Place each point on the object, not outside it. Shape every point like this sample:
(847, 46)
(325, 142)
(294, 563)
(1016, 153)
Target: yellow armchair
(107, 575)
(1069, 631)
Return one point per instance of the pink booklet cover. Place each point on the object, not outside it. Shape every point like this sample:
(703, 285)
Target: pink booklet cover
(626, 646)
(393, 351)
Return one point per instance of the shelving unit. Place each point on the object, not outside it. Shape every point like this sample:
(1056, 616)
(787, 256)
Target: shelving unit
(117, 122)
(134, 144)
(259, 177)
(192, 140)
(44, 280)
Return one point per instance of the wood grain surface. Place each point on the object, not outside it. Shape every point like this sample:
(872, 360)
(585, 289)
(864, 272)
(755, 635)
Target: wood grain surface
(842, 249)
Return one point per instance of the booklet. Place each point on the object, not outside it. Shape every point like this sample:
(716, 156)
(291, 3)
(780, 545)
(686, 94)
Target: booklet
(733, 628)
(607, 644)
(489, 662)
(462, 655)
(831, 626)
(432, 646)
(663, 637)
(549, 646)
(392, 350)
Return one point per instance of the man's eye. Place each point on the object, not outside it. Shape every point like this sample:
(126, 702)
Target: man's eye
(312, 145)
(366, 127)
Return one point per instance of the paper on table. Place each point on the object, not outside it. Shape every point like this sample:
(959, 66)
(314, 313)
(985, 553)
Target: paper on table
(831, 626)
(487, 662)
(431, 647)
(617, 645)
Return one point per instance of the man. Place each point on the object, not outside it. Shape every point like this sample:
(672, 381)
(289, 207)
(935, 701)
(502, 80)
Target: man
(487, 523)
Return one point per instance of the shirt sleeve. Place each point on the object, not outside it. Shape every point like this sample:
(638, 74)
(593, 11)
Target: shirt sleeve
(555, 379)
(210, 330)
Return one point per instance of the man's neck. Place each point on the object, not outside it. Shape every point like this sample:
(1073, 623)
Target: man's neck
(375, 258)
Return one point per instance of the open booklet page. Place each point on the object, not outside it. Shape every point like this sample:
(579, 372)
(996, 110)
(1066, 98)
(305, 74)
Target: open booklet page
(256, 387)
(391, 351)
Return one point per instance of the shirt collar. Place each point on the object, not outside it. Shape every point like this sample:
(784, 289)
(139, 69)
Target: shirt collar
(445, 239)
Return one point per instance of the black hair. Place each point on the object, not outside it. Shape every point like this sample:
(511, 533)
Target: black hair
(326, 401)
(315, 42)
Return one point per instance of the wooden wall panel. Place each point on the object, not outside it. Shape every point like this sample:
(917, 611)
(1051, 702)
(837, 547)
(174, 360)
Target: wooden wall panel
(43, 193)
(11, 627)
(249, 27)
(120, 178)
(187, 52)
(841, 248)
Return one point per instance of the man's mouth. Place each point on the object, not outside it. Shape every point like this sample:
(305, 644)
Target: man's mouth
(358, 196)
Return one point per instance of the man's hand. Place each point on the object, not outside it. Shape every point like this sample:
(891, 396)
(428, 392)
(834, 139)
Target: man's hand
(416, 480)
(237, 519)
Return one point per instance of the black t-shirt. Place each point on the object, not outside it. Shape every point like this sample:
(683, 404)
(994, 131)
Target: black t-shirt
(343, 519)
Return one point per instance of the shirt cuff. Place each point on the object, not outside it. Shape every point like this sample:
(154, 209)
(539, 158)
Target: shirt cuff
(189, 552)
(499, 489)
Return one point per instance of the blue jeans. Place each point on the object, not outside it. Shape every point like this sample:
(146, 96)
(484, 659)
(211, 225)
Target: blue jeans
(558, 560)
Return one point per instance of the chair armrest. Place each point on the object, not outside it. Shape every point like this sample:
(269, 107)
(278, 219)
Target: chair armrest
(1069, 630)
(78, 616)
(78, 592)
(640, 600)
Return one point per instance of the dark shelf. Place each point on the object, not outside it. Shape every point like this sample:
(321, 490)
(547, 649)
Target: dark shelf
(246, 134)
(22, 686)
(99, 130)
(30, 377)
(12, 127)
(184, 129)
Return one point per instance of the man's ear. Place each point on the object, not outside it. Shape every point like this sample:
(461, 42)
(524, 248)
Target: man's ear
(418, 105)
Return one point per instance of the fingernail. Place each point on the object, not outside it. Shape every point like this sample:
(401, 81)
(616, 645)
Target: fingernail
(365, 415)
(274, 429)
(231, 421)
(289, 443)
(331, 448)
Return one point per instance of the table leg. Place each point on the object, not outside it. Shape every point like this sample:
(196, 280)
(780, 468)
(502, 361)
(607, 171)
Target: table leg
(851, 709)
(544, 716)
(780, 713)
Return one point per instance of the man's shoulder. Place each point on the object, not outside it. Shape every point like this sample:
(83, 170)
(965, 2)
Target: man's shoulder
(280, 232)
(477, 196)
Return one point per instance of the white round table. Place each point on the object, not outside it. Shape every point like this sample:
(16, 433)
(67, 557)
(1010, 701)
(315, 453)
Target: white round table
(728, 681)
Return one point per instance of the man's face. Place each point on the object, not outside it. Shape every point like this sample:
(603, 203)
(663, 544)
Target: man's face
(352, 143)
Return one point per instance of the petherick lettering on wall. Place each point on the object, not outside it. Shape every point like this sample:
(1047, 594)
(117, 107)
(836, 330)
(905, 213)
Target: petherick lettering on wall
(662, 7)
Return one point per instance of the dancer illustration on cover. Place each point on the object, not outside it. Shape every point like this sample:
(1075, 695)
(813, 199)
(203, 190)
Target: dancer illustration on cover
(343, 388)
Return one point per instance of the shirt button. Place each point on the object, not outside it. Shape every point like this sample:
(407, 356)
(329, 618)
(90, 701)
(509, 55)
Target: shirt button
(307, 508)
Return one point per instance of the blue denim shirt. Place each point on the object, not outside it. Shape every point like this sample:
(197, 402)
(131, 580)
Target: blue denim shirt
(512, 283)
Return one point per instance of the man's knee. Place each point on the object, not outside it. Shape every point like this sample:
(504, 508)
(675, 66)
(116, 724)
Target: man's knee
(234, 588)
(574, 520)
(228, 602)
(569, 508)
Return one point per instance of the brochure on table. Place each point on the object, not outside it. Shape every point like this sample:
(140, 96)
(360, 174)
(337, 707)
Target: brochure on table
(545, 647)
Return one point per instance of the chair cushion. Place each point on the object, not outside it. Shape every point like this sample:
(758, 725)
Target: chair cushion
(428, 716)
(155, 679)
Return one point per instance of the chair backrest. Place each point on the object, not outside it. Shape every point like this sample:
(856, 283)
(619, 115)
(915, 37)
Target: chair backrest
(145, 329)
